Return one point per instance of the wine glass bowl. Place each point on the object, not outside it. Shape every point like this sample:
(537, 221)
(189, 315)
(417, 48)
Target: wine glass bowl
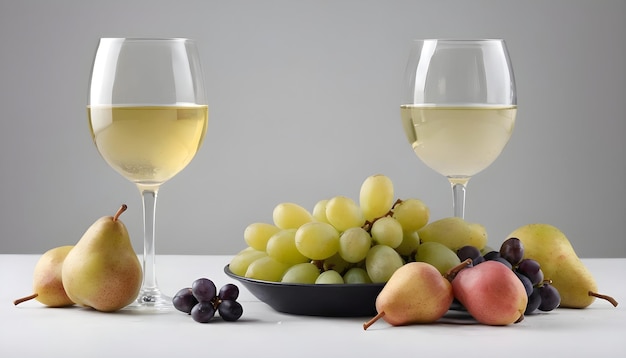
(148, 117)
(459, 107)
(148, 145)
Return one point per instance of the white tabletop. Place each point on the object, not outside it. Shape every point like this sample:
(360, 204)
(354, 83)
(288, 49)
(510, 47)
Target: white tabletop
(31, 330)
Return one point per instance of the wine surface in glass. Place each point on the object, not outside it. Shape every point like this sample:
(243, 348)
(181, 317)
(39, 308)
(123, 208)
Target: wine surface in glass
(458, 141)
(148, 144)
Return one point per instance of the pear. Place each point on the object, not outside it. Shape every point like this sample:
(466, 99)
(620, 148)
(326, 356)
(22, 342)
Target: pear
(102, 271)
(491, 293)
(415, 293)
(478, 236)
(47, 283)
(559, 263)
(454, 232)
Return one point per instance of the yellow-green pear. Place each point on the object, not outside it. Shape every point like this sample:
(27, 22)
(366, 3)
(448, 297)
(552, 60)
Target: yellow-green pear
(47, 283)
(102, 271)
(478, 236)
(559, 263)
(454, 232)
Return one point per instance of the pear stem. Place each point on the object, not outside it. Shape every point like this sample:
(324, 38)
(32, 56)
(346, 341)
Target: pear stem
(451, 273)
(120, 211)
(604, 297)
(24, 299)
(367, 324)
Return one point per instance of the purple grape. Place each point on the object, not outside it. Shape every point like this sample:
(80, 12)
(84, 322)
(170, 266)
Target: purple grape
(204, 290)
(550, 297)
(526, 282)
(478, 260)
(491, 255)
(202, 301)
(531, 269)
(203, 312)
(512, 250)
(468, 252)
(503, 261)
(230, 310)
(534, 300)
(184, 300)
(229, 292)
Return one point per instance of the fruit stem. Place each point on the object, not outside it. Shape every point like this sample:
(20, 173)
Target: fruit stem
(120, 211)
(451, 273)
(546, 282)
(367, 324)
(319, 264)
(604, 297)
(367, 226)
(398, 202)
(24, 299)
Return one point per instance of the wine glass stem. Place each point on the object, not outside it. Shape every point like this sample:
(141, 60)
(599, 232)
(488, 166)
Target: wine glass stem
(149, 289)
(458, 199)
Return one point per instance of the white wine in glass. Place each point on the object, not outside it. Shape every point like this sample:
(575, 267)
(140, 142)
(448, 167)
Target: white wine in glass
(459, 107)
(148, 116)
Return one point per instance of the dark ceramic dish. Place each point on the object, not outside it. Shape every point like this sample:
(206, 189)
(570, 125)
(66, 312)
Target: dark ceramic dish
(347, 300)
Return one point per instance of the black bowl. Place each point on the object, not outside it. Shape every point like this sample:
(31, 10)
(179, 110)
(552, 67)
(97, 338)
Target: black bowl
(328, 300)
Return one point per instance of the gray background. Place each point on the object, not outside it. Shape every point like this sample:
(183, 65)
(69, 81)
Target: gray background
(304, 105)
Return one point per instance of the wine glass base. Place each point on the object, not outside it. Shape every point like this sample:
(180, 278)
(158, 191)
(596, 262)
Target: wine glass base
(152, 299)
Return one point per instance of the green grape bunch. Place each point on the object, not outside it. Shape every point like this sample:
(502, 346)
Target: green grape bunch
(342, 240)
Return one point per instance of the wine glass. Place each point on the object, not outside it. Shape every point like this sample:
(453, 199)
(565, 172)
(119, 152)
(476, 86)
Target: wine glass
(459, 107)
(148, 116)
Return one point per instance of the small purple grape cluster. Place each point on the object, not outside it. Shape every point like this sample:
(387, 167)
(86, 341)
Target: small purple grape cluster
(542, 295)
(202, 300)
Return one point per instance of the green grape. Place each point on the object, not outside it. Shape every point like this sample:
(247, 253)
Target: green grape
(376, 196)
(240, 262)
(266, 269)
(317, 240)
(381, 262)
(304, 273)
(246, 250)
(343, 213)
(290, 216)
(454, 232)
(257, 234)
(354, 244)
(437, 255)
(409, 244)
(412, 214)
(336, 262)
(319, 211)
(282, 247)
(387, 231)
(329, 277)
(356, 275)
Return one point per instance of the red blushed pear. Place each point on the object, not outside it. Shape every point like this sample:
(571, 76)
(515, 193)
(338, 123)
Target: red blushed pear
(491, 293)
(415, 293)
